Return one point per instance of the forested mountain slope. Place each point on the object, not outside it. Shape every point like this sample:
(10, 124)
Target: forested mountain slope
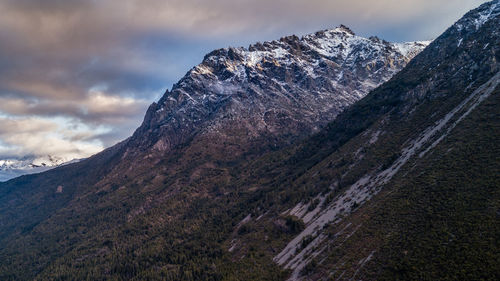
(403, 184)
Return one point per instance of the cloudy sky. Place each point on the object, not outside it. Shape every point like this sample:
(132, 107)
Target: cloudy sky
(76, 76)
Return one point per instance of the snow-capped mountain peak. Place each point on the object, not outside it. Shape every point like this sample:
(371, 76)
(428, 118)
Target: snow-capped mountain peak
(11, 168)
(292, 86)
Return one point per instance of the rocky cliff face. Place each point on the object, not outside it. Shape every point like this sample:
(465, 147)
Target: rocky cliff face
(281, 89)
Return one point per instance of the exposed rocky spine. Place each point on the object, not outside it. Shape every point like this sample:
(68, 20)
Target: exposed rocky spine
(290, 87)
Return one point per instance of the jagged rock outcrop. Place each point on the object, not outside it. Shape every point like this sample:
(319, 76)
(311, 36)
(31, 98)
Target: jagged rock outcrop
(283, 89)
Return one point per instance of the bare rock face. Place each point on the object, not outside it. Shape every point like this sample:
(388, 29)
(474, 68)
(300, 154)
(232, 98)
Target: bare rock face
(274, 91)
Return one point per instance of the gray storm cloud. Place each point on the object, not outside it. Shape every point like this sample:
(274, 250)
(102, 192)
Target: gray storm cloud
(99, 63)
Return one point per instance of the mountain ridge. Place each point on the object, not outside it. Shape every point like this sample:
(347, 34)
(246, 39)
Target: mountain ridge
(306, 74)
(11, 168)
(402, 184)
(288, 68)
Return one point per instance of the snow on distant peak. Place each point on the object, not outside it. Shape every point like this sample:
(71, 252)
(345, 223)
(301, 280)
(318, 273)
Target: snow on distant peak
(340, 44)
(342, 29)
(411, 48)
(49, 161)
(11, 168)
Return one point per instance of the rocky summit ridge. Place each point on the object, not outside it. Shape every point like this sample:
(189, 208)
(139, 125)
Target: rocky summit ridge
(284, 89)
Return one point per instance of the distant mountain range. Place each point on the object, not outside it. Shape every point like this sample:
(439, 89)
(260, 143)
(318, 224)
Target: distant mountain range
(11, 168)
(326, 157)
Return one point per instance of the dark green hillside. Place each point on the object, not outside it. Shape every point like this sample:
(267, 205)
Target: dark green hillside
(443, 218)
